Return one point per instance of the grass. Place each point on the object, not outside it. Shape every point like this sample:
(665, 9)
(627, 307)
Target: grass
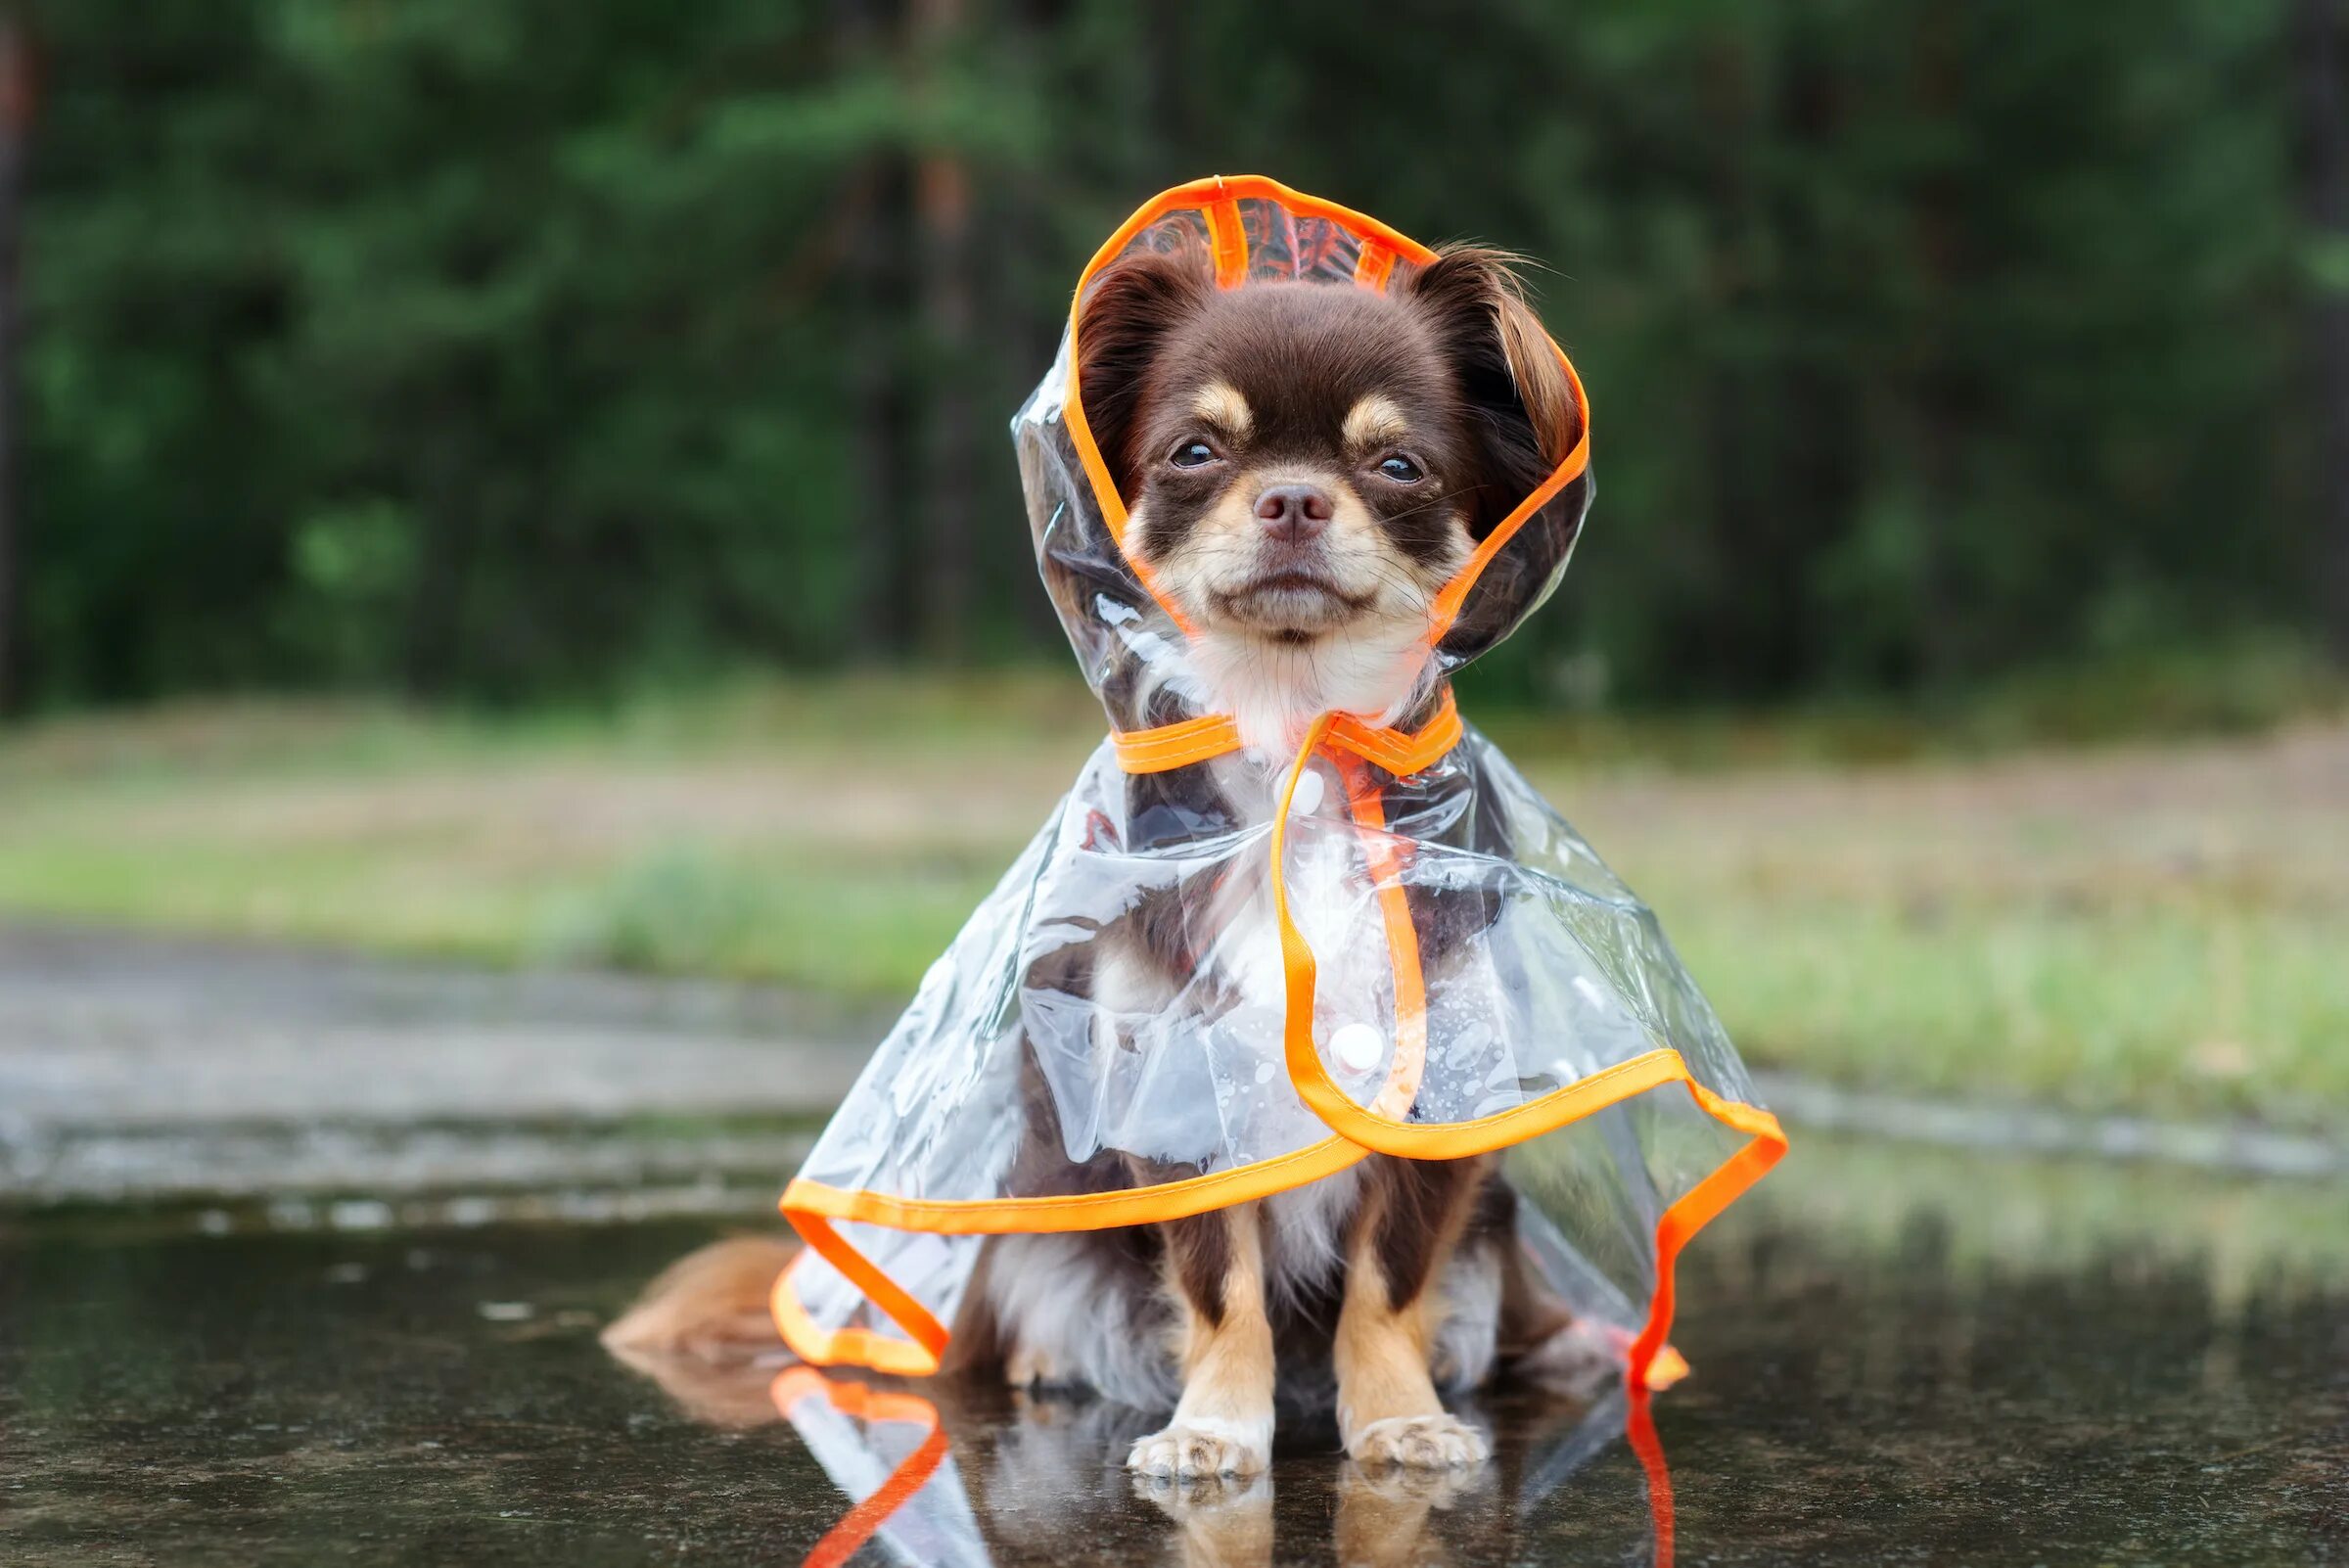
(2138, 926)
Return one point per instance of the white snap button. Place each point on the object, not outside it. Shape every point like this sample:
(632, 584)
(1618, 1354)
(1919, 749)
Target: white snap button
(1358, 1047)
(1308, 799)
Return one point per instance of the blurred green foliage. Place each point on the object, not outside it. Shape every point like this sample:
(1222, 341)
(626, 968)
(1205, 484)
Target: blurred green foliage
(507, 347)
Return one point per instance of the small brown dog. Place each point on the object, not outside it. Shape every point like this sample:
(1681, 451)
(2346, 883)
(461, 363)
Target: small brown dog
(1306, 468)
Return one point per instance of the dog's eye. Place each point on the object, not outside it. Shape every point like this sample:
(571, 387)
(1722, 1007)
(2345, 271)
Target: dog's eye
(1400, 468)
(1191, 455)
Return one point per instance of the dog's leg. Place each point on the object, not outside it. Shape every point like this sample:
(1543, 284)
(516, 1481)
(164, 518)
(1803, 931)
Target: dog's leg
(1388, 1412)
(1224, 1423)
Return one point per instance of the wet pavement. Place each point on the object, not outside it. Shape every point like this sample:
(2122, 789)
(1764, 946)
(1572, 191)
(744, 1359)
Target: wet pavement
(103, 1029)
(1901, 1354)
(136, 1068)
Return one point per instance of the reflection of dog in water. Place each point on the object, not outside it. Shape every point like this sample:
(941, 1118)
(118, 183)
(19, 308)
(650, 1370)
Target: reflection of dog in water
(1384, 1517)
(1026, 1482)
(1373, 1515)
(1306, 469)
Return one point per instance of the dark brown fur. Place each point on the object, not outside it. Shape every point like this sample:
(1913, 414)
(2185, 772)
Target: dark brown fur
(1201, 1246)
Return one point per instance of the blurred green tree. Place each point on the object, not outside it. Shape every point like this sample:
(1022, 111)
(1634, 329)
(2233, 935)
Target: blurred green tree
(16, 125)
(503, 348)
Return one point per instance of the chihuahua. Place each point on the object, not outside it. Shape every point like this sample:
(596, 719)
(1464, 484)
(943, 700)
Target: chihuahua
(1306, 467)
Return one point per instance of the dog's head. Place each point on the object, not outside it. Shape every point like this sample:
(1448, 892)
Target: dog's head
(1305, 465)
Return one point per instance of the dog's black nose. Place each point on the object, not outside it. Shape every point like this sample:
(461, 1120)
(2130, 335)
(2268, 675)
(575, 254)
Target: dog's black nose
(1295, 513)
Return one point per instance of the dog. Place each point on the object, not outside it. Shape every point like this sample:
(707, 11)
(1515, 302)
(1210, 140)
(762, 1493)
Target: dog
(1306, 467)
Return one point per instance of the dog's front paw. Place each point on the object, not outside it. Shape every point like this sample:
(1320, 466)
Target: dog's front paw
(1189, 1449)
(1425, 1442)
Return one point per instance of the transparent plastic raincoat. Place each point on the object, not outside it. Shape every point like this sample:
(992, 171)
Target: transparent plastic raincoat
(1561, 1026)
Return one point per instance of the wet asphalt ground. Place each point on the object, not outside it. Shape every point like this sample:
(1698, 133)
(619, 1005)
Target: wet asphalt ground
(377, 1343)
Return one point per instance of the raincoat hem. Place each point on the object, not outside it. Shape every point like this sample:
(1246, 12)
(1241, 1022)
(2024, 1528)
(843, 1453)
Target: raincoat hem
(811, 1207)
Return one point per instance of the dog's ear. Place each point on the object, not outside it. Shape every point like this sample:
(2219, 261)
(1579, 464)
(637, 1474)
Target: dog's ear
(1126, 313)
(1508, 371)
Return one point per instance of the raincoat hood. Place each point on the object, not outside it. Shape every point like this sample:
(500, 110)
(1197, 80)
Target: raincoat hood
(1391, 944)
(1247, 229)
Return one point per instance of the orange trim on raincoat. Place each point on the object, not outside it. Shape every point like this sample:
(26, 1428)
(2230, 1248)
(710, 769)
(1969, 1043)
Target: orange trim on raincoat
(1217, 197)
(1357, 1131)
(811, 1207)
(1401, 753)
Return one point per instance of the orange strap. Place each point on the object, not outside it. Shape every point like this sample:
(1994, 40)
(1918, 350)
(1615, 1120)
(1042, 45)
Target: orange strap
(854, 1347)
(1231, 241)
(1399, 752)
(1172, 746)
(1699, 1205)
(1367, 799)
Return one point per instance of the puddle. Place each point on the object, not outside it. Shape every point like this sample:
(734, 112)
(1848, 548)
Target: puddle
(1901, 1355)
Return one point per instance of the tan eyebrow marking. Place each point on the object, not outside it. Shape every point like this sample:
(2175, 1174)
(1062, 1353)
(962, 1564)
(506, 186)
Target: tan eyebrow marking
(1221, 404)
(1374, 420)
(1223, 408)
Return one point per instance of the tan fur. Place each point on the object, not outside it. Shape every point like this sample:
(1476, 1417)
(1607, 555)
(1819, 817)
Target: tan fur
(1372, 661)
(1222, 552)
(1533, 365)
(708, 1306)
(1388, 1410)
(1221, 407)
(1374, 420)
(1223, 1424)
